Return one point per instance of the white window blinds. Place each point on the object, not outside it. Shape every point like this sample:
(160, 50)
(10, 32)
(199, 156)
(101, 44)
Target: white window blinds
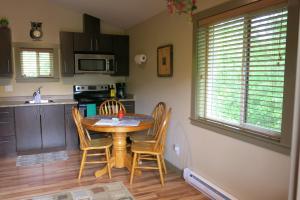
(240, 71)
(36, 63)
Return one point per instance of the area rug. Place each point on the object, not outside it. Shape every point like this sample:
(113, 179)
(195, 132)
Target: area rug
(42, 158)
(109, 191)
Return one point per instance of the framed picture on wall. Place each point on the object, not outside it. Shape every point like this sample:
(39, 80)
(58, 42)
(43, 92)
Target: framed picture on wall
(165, 61)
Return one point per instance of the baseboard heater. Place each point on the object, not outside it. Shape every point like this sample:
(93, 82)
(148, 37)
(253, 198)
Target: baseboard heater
(205, 186)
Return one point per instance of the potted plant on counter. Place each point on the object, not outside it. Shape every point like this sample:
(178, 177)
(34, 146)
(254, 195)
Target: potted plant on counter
(4, 22)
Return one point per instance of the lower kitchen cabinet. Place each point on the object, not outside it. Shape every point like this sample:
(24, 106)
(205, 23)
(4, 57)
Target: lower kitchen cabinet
(7, 131)
(72, 140)
(52, 126)
(40, 127)
(129, 106)
(28, 128)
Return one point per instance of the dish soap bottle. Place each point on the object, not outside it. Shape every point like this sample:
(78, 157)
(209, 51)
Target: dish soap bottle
(112, 91)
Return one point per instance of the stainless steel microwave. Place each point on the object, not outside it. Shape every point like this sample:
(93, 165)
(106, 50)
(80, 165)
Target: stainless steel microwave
(94, 63)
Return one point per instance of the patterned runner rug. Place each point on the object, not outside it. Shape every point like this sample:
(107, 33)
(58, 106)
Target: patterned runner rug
(42, 158)
(109, 191)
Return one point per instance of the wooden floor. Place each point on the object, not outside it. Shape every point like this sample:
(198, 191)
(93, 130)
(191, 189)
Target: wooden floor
(25, 182)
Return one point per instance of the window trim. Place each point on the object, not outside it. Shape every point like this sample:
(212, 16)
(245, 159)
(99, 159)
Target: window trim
(282, 144)
(19, 46)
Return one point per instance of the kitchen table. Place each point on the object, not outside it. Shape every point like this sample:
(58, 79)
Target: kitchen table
(120, 158)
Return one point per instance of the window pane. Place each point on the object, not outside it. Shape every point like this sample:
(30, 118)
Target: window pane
(45, 60)
(29, 63)
(224, 74)
(240, 71)
(266, 71)
(36, 63)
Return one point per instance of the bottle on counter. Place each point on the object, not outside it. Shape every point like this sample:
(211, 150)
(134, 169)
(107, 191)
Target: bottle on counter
(112, 91)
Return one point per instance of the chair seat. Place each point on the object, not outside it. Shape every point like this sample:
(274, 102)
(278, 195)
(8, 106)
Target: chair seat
(140, 137)
(100, 143)
(144, 148)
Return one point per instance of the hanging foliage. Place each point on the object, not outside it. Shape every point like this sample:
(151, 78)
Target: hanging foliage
(182, 6)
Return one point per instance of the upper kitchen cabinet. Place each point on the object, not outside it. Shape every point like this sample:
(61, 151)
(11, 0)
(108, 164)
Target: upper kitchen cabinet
(67, 55)
(121, 51)
(5, 52)
(84, 42)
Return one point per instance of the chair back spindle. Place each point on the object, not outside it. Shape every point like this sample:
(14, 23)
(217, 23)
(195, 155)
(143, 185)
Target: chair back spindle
(157, 114)
(111, 107)
(162, 132)
(84, 143)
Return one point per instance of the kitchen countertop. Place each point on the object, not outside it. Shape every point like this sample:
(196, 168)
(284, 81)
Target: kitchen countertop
(22, 103)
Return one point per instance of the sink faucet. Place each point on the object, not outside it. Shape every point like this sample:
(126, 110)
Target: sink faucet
(37, 95)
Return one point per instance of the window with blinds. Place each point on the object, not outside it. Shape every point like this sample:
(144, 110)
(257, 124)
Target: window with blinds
(36, 63)
(240, 71)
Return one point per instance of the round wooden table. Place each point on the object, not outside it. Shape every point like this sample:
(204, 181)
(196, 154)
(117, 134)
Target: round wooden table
(119, 133)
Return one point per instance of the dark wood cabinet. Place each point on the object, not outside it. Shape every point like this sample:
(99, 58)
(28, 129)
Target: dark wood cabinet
(5, 52)
(40, 127)
(28, 128)
(84, 42)
(129, 106)
(104, 43)
(72, 139)
(66, 53)
(121, 51)
(52, 126)
(91, 25)
(7, 131)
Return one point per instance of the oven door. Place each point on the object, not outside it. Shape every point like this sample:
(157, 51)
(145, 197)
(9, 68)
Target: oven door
(91, 63)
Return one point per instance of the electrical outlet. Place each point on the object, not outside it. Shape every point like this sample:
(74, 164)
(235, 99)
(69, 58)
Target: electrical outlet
(176, 149)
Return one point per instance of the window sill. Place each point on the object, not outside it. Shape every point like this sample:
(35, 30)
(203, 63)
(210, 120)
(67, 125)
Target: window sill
(246, 136)
(37, 79)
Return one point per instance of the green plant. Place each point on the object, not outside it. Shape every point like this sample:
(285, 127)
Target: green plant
(4, 22)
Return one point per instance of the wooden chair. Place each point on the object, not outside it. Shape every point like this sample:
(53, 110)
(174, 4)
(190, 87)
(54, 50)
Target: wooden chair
(151, 136)
(87, 144)
(111, 107)
(151, 151)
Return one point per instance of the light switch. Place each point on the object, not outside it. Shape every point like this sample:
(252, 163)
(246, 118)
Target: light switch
(8, 88)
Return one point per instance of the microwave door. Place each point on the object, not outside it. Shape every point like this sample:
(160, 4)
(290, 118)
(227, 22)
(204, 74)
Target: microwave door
(91, 65)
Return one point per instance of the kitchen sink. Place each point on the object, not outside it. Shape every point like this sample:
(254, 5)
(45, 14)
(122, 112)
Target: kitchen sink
(42, 101)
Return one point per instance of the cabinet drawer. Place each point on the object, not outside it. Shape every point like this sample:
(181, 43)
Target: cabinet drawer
(7, 145)
(129, 106)
(6, 112)
(7, 126)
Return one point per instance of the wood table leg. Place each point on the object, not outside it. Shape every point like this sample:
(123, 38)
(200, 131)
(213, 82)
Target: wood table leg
(119, 149)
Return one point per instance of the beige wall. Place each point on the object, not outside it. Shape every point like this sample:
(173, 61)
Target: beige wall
(55, 18)
(246, 171)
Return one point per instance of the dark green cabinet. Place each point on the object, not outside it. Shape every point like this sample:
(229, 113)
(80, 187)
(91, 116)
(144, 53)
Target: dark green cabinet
(5, 53)
(83, 42)
(129, 106)
(53, 126)
(121, 51)
(66, 53)
(7, 131)
(89, 43)
(28, 128)
(72, 140)
(40, 127)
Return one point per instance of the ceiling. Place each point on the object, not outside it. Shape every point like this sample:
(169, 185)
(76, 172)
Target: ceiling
(120, 13)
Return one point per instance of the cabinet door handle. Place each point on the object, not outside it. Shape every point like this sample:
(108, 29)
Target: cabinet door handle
(4, 122)
(91, 44)
(4, 112)
(4, 141)
(116, 64)
(97, 44)
(8, 65)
